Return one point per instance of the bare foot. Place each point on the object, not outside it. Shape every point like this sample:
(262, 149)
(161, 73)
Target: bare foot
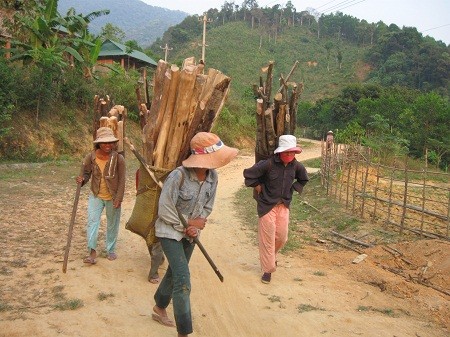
(160, 311)
(160, 316)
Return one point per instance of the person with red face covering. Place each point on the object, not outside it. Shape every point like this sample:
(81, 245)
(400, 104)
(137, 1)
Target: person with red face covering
(274, 181)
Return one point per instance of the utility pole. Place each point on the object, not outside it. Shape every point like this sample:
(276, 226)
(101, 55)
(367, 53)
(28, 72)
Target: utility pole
(205, 21)
(166, 51)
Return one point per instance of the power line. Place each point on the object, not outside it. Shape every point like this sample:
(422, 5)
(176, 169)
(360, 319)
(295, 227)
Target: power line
(326, 4)
(351, 5)
(426, 30)
(342, 5)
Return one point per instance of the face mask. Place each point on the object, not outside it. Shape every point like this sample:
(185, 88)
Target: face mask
(287, 157)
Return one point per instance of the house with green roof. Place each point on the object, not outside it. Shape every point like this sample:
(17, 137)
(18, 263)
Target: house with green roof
(113, 52)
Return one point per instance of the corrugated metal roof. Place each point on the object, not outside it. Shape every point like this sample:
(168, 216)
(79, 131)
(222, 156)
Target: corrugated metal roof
(111, 48)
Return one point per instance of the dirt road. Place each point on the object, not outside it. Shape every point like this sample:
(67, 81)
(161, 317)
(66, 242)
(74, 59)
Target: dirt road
(314, 293)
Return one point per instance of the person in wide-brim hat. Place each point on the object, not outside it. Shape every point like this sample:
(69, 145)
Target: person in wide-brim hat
(105, 168)
(274, 181)
(208, 151)
(188, 191)
(287, 143)
(105, 135)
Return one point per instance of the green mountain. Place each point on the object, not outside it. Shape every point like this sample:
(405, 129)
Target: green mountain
(342, 50)
(139, 21)
(240, 52)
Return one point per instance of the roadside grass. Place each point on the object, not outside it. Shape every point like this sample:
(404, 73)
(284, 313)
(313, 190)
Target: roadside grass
(104, 296)
(4, 307)
(314, 163)
(72, 304)
(386, 311)
(308, 307)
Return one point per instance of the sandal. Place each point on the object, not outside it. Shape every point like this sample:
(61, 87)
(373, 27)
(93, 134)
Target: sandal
(89, 260)
(112, 256)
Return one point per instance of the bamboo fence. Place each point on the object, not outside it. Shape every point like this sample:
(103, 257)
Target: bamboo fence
(416, 201)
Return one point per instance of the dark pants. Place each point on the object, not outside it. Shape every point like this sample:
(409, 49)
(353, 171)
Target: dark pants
(176, 283)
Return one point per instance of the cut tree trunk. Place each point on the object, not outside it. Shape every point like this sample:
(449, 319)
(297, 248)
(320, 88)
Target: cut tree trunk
(179, 125)
(161, 142)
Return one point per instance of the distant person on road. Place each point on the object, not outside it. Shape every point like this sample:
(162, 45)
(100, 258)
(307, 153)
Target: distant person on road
(190, 188)
(107, 169)
(329, 140)
(274, 181)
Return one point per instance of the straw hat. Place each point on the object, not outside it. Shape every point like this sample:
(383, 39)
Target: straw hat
(208, 151)
(105, 135)
(287, 143)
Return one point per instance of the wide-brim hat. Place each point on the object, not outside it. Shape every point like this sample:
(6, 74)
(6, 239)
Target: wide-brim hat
(105, 135)
(287, 143)
(208, 151)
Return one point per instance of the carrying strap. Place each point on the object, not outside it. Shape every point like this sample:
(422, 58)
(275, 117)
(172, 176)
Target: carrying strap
(181, 169)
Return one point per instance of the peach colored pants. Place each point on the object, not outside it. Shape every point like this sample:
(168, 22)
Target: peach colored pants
(272, 236)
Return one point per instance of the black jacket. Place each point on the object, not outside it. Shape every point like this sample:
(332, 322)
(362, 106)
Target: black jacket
(277, 181)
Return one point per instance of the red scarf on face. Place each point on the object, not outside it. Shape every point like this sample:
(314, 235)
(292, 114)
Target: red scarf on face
(287, 157)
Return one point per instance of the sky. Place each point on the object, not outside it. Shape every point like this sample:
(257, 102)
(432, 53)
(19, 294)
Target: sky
(430, 17)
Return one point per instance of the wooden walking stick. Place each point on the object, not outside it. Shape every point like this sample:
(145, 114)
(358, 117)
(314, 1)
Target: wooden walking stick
(72, 221)
(183, 221)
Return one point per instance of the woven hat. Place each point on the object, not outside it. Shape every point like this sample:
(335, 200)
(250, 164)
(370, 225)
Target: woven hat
(287, 143)
(208, 151)
(105, 135)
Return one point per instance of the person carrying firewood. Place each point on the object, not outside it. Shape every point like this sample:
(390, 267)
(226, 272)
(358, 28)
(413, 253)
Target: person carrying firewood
(189, 190)
(274, 181)
(107, 169)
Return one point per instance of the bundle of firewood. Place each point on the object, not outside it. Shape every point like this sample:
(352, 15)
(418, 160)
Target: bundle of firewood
(185, 101)
(112, 117)
(277, 117)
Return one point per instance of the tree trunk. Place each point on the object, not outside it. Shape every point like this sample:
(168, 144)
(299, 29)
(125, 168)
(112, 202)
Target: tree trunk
(167, 117)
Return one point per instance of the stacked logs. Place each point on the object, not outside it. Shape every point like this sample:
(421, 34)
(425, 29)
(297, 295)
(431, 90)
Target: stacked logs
(185, 101)
(113, 118)
(277, 117)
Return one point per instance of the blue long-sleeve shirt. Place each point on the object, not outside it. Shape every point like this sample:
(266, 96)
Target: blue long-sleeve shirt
(277, 181)
(193, 198)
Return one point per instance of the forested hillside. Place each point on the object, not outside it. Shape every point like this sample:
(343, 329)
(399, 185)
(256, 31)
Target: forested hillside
(373, 84)
(139, 21)
(379, 85)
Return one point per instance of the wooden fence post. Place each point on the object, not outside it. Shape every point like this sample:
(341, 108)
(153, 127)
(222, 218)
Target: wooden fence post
(363, 201)
(424, 173)
(390, 195)
(376, 193)
(405, 198)
(356, 177)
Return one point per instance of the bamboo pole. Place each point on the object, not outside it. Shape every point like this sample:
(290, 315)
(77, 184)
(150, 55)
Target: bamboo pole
(405, 199)
(364, 186)
(352, 240)
(376, 192)
(390, 195)
(348, 182)
(423, 198)
(356, 177)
